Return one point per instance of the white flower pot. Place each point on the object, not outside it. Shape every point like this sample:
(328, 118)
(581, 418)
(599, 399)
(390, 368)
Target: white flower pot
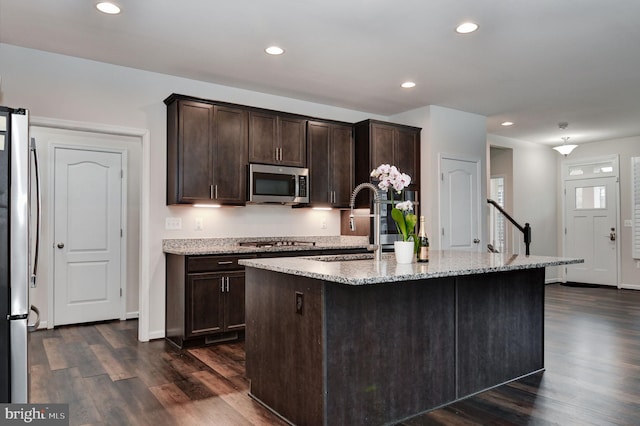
(403, 251)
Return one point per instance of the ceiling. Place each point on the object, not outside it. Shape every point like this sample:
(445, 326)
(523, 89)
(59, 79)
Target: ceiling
(536, 63)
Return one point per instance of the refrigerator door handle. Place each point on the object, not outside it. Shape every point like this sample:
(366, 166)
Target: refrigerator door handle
(33, 327)
(38, 217)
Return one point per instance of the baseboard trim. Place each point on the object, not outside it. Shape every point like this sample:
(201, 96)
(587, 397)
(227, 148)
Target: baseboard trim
(158, 334)
(132, 315)
(630, 286)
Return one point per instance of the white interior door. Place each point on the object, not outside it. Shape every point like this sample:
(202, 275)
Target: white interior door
(591, 210)
(87, 235)
(459, 210)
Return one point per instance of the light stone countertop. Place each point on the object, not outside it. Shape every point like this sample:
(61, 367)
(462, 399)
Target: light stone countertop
(203, 246)
(362, 269)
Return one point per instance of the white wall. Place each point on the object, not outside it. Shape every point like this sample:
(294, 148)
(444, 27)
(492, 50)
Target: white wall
(66, 88)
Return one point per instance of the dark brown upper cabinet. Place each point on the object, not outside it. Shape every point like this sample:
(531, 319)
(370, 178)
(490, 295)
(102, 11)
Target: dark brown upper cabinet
(331, 163)
(207, 148)
(378, 142)
(277, 139)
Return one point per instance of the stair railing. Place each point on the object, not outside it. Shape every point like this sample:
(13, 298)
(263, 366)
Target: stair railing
(526, 229)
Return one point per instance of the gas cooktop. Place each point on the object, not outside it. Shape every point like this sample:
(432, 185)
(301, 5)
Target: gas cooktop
(266, 244)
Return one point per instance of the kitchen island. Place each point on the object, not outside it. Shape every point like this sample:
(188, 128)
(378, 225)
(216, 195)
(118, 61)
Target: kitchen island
(348, 340)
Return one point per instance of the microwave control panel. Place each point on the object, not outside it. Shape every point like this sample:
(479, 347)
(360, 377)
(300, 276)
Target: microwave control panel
(302, 186)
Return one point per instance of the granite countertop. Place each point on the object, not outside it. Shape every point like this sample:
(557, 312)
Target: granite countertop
(362, 269)
(196, 246)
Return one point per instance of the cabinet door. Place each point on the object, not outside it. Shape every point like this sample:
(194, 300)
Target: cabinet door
(318, 140)
(292, 141)
(194, 151)
(230, 155)
(342, 164)
(407, 154)
(234, 304)
(263, 137)
(204, 298)
(382, 145)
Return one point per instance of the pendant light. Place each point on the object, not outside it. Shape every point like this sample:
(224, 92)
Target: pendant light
(564, 149)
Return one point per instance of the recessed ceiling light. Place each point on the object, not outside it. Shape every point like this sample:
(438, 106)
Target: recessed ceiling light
(507, 123)
(466, 28)
(108, 8)
(408, 84)
(274, 50)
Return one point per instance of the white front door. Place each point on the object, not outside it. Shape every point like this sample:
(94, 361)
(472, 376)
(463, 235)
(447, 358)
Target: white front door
(459, 210)
(87, 235)
(591, 212)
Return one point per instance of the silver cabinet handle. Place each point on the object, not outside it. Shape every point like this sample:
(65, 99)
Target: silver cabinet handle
(224, 284)
(225, 262)
(211, 192)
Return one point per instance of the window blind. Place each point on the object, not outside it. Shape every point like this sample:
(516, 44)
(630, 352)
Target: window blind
(635, 190)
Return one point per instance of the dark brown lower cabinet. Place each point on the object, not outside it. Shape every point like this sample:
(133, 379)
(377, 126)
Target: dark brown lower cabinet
(205, 299)
(215, 293)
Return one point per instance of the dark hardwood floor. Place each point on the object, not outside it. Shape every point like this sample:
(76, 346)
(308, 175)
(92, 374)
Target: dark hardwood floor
(592, 377)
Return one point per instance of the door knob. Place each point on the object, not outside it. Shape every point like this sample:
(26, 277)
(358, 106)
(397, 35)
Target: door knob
(612, 234)
(60, 245)
(476, 241)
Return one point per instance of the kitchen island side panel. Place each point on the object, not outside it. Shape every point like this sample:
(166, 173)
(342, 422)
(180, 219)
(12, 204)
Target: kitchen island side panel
(500, 328)
(283, 348)
(390, 350)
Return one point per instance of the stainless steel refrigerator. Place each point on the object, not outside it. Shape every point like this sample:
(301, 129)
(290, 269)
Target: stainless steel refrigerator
(18, 250)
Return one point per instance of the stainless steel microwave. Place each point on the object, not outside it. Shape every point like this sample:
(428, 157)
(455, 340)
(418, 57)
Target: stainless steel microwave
(278, 184)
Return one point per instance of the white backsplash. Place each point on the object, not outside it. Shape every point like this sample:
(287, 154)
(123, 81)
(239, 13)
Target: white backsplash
(252, 221)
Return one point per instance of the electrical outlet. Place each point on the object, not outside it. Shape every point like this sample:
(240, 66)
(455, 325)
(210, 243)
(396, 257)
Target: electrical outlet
(323, 224)
(173, 223)
(628, 223)
(199, 224)
(299, 302)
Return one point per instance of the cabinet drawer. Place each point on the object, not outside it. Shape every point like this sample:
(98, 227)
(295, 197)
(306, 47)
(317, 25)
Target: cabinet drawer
(214, 263)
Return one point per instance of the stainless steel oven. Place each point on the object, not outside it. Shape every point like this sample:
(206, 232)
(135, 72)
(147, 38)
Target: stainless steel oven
(388, 231)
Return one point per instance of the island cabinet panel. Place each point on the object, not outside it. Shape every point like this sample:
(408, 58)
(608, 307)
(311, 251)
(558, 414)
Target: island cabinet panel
(330, 149)
(369, 354)
(390, 350)
(284, 348)
(500, 328)
(277, 138)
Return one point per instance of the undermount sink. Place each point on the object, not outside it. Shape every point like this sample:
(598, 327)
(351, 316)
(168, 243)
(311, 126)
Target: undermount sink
(350, 257)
